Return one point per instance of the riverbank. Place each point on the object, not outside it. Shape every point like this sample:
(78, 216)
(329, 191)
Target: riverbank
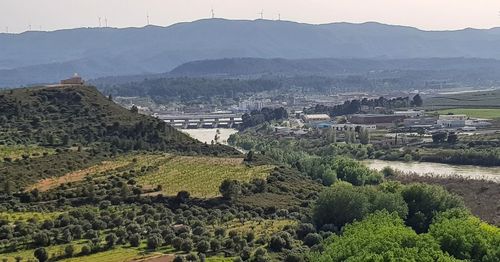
(207, 135)
(431, 169)
(480, 196)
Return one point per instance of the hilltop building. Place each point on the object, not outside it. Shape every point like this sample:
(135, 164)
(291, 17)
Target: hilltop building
(75, 80)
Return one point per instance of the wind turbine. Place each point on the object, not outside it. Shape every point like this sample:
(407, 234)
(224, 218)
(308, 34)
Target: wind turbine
(99, 20)
(7, 29)
(261, 14)
(147, 18)
(106, 22)
(213, 13)
(279, 17)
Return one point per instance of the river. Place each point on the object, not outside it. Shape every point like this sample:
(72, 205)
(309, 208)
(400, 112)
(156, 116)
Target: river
(206, 135)
(437, 169)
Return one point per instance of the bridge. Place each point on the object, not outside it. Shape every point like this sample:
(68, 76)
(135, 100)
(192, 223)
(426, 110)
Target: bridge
(202, 120)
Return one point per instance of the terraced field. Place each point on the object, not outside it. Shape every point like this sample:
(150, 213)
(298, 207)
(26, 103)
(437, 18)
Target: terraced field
(200, 176)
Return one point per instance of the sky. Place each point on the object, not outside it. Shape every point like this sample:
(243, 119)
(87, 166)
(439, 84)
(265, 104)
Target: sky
(47, 15)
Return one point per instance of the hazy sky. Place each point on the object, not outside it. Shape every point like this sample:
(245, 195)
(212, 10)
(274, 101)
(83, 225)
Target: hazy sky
(17, 15)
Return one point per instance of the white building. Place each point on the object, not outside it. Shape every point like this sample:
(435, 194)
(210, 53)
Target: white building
(316, 117)
(452, 121)
(410, 113)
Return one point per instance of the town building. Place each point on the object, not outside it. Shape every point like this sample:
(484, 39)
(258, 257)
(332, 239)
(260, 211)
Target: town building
(451, 121)
(352, 127)
(75, 80)
(315, 118)
(410, 113)
(420, 122)
(375, 119)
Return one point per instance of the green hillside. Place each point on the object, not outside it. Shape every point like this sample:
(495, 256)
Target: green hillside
(80, 115)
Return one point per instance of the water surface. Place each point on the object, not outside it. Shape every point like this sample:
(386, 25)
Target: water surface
(426, 168)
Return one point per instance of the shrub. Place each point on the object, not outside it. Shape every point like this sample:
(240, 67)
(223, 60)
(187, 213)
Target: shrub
(339, 205)
(312, 239)
(41, 254)
(380, 237)
(69, 250)
(424, 201)
(154, 241)
(135, 240)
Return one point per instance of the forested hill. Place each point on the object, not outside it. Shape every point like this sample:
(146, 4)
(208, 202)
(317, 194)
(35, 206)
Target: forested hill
(81, 115)
(40, 57)
(459, 68)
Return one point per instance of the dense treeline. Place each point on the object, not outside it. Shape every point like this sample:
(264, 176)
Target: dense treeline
(186, 89)
(257, 117)
(354, 106)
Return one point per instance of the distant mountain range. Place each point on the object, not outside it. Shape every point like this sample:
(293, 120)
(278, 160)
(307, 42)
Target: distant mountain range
(40, 57)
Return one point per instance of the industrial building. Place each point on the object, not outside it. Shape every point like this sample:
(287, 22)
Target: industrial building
(375, 119)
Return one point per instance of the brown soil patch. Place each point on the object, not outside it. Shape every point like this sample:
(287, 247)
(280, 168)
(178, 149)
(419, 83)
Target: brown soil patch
(211, 160)
(480, 196)
(53, 182)
(161, 258)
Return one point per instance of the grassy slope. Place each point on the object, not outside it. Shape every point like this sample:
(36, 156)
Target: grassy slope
(482, 99)
(35, 115)
(489, 113)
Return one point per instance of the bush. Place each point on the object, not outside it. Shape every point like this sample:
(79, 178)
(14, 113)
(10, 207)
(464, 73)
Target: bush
(187, 245)
(69, 250)
(86, 250)
(380, 237)
(352, 171)
(203, 246)
(304, 229)
(230, 189)
(135, 240)
(344, 203)
(41, 254)
(467, 238)
(154, 241)
(424, 201)
(388, 171)
(280, 241)
(339, 205)
(312, 239)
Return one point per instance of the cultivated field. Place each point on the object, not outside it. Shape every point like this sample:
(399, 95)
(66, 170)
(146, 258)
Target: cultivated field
(17, 152)
(489, 113)
(53, 182)
(200, 176)
(25, 216)
(482, 99)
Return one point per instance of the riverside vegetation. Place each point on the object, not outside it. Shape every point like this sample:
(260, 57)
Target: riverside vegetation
(103, 183)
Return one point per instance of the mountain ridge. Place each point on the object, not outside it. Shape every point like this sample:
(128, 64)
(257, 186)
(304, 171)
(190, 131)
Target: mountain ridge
(42, 57)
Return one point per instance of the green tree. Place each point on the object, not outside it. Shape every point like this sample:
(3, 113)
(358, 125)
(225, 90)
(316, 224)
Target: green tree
(154, 241)
(417, 100)
(424, 201)
(339, 205)
(41, 254)
(230, 189)
(380, 237)
(111, 240)
(467, 238)
(364, 136)
(69, 250)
